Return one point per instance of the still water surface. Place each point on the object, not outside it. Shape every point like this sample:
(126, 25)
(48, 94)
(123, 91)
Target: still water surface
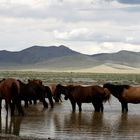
(61, 123)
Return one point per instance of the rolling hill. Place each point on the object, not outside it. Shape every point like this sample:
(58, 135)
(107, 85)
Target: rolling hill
(61, 58)
(123, 57)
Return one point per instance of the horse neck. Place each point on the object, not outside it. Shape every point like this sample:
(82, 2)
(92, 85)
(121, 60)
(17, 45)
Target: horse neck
(113, 90)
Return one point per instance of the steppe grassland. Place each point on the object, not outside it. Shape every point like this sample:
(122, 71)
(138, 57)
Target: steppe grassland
(73, 77)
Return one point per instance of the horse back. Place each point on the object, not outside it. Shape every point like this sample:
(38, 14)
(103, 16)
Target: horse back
(132, 94)
(87, 91)
(8, 87)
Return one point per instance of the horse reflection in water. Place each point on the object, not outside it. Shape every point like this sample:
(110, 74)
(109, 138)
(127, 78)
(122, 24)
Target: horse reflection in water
(128, 126)
(94, 126)
(10, 125)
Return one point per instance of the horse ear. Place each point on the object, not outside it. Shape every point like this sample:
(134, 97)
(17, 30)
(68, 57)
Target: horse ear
(58, 85)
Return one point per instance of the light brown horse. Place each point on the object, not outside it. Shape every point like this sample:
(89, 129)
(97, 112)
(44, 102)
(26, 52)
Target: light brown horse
(81, 94)
(125, 94)
(52, 88)
(10, 92)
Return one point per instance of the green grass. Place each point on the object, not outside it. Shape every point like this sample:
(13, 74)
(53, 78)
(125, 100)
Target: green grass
(72, 77)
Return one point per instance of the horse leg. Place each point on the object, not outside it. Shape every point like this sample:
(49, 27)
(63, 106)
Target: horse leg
(60, 98)
(30, 101)
(51, 101)
(19, 108)
(124, 107)
(12, 107)
(73, 103)
(0, 106)
(45, 103)
(96, 106)
(50, 98)
(6, 106)
(80, 106)
(35, 101)
(26, 103)
(102, 107)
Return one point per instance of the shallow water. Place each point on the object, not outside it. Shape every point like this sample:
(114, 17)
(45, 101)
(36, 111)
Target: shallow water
(61, 123)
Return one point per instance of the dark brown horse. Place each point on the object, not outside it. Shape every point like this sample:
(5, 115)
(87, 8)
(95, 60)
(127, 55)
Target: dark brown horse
(80, 94)
(48, 92)
(10, 92)
(35, 91)
(125, 94)
(38, 81)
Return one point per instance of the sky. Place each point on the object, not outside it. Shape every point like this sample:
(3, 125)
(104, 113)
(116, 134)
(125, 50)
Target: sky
(86, 26)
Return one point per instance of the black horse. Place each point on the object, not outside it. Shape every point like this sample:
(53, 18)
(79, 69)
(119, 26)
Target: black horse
(125, 94)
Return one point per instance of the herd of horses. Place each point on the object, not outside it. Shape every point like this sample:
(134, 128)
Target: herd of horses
(15, 91)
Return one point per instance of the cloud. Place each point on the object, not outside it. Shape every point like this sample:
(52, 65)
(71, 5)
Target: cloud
(93, 24)
(64, 9)
(129, 35)
(129, 1)
(75, 34)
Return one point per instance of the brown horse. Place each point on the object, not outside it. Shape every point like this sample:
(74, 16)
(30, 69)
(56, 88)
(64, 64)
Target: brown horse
(80, 94)
(52, 88)
(35, 91)
(10, 92)
(38, 81)
(48, 92)
(125, 94)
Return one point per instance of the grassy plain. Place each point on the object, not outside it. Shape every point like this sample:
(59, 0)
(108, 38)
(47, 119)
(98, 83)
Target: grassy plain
(73, 77)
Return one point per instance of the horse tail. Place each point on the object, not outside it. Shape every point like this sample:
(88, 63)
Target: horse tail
(15, 91)
(16, 97)
(107, 95)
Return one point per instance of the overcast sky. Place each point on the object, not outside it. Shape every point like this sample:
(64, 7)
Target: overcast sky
(87, 26)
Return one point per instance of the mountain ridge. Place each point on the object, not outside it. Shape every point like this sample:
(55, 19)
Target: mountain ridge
(63, 58)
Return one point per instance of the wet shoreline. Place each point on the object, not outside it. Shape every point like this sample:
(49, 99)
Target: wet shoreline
(60, 123)
(13, 137)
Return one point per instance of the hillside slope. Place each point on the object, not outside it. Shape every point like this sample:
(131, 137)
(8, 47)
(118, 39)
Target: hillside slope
(62, 58)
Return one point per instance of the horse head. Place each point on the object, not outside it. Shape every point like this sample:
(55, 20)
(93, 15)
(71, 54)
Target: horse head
(60, 89)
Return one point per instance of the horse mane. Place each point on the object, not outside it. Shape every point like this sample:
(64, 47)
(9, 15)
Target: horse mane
(126, 86)
(116, 90)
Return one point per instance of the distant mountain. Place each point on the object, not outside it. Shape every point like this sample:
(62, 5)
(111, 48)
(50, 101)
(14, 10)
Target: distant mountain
(63, 58)
(123, 57)
(35, 54)
(71, 62)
